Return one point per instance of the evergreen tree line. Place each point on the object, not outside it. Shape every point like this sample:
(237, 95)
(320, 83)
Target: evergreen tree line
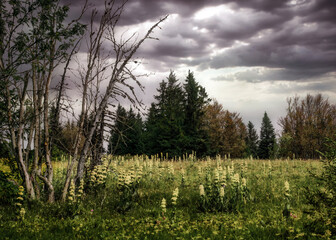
(183, 120)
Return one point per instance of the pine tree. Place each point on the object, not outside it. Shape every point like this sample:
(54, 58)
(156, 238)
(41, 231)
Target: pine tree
(164, 131)
(267, 138)
(133, 133)
(116, 144)
(251, 141)
(127, 133)
(194, 104)
(151, 132)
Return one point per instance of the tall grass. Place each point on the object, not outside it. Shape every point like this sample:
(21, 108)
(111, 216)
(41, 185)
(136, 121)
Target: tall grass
(243, 199)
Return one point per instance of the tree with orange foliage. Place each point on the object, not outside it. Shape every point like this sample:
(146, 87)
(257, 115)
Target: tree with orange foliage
(226, 131)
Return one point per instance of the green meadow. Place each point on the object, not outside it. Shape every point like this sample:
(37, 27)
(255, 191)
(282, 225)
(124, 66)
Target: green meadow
(137, 198)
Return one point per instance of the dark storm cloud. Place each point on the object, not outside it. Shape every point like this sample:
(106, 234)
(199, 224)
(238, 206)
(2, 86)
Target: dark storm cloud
(295, 39)
(303, 49)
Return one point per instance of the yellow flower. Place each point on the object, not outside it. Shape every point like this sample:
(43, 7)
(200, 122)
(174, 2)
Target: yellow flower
(19, 198)
(163, 205)
(286, 186)
(216, 176)
(201, 188)
(175, 195)
(243, 182)
(221, 192)
(235, 178)
(128, 180)
(22, 213)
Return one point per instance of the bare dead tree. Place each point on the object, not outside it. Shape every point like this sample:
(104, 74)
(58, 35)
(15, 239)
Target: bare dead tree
(119, 76)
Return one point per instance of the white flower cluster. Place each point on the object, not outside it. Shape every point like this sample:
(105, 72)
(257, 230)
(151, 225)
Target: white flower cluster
(175, 196)
(98, 175)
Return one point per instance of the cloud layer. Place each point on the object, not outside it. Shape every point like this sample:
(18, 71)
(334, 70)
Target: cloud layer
(251, 41)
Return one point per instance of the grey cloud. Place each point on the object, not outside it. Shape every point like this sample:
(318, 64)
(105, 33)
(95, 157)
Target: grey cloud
(268, 74)
(298, 37)
(303, 88)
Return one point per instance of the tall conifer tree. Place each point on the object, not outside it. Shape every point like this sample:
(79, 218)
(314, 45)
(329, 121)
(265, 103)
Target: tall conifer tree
(194, 106)
(267, 138)
(251, 140)
(164, 131)
(116, 139)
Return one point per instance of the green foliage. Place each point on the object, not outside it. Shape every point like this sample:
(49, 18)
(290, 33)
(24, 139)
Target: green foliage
(164, 126)
(322, 200)
(129, 204)
(195, 101)
(267, 139)
(8, 190)
(174, 122)
(127, 133)
(226, 193)
(251, 141)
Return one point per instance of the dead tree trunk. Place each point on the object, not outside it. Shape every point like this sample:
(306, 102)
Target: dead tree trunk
(119, 70)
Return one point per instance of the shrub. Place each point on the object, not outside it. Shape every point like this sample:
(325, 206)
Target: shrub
(322, 200)
(8, 190)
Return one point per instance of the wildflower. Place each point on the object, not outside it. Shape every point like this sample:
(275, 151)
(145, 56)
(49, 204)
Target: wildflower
(243, 182)
(18, 204)
(91, 211)
(235, 178)
(201, 188)
(22, 213)
(230, 170)
(216, 176)
(80, 188)
(221, 192)
(128, 180)
(199, 172)
(71, 191)
(286, 186)
(163, 205)
(175, 195)
(19, 198)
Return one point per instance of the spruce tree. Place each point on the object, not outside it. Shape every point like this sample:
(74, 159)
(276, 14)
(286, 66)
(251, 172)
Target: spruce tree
(151, 131)
(127, 133)
(164, 131)
(194, 106)
(267, 138)
(251, 141)
(133, 133)
(116, 144)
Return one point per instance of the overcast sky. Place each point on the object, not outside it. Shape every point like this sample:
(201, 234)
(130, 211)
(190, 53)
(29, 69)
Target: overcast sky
(250, 55)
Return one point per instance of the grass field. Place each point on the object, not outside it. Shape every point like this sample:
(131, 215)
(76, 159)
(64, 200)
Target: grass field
(191, 199)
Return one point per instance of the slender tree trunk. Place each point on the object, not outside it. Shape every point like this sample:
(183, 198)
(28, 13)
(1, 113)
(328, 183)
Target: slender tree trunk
(19, 147)
(37, 131)
(50, 173)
